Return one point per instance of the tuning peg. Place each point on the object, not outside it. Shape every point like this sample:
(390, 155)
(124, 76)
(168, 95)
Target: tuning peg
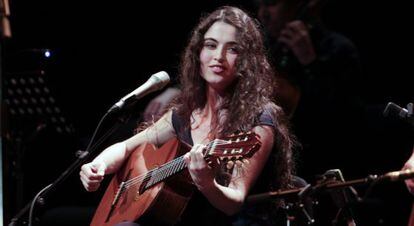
(223, 159)
(239, 163)
(218, 161)
(230, 165)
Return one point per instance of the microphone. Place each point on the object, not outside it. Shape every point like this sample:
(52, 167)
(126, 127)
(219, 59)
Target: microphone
(156, 82)
(397, 175)
(395, 110)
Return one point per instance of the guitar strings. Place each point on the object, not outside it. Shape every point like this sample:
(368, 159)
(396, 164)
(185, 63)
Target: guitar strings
(159, 172)
(152, 173)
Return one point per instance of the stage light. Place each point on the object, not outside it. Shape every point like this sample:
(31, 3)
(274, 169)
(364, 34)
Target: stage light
(47, 53)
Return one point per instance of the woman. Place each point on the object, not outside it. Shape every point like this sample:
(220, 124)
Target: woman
(227, 86)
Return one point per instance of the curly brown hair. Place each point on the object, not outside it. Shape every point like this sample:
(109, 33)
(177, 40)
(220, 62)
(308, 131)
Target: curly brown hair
(249, 96)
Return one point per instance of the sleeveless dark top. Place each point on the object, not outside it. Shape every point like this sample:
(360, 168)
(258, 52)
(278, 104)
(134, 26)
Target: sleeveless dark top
(199, 211)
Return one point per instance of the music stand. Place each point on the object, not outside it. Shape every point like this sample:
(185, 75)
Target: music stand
(30, 108)
(29, 100)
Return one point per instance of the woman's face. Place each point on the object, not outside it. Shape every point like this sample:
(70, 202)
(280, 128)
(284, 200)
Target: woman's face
(218, 55)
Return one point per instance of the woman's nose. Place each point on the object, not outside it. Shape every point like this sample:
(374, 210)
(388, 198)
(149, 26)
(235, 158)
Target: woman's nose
(219, 54)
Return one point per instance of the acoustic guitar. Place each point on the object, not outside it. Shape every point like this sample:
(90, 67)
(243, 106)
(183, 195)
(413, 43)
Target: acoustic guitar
(151, 184)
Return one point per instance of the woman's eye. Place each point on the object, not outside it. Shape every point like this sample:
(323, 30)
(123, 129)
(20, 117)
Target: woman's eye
(233, 49)
(209, 45)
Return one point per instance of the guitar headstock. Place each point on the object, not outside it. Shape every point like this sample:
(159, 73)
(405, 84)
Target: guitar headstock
(233, 147)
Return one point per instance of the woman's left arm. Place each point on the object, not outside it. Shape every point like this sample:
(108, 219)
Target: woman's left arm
(230, 199)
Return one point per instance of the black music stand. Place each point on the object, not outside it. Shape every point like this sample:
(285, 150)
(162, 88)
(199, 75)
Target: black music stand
(31, 109)
(29, 101)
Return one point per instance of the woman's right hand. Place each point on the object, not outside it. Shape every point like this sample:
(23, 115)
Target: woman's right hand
(92, 174)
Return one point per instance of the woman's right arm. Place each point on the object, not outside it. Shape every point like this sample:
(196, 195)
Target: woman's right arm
(111, 159)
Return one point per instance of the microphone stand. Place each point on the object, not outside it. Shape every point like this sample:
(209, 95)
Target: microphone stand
(82, 156)
(308, 191)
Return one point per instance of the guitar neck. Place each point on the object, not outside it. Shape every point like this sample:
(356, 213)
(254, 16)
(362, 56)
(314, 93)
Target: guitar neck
(165, 171)
(236, 147)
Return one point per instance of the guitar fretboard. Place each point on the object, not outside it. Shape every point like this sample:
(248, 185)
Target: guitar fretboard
(164, 171)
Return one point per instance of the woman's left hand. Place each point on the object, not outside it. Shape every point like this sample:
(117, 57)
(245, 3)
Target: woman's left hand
(201, 173)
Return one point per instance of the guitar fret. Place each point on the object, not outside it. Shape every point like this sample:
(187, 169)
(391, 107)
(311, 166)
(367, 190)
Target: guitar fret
(164, 172)
(175, 166)
(159, 175)
(151, 180)
(170, 170)
(181, 165)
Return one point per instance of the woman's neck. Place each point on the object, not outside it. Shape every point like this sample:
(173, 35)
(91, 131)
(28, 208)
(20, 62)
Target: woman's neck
(214, 99)
(207, 114)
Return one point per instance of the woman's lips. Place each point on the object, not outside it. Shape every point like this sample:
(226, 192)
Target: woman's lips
(217, 69)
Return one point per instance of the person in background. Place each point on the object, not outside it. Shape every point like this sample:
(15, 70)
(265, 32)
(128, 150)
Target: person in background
(317, 73)
(317, 69)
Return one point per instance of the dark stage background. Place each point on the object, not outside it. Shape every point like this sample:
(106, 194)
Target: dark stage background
(100, 51)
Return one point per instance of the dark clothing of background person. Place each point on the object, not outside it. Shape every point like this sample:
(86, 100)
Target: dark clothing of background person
(328, 111)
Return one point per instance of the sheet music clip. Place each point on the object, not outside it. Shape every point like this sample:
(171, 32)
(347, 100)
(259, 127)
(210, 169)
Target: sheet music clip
(395, 110)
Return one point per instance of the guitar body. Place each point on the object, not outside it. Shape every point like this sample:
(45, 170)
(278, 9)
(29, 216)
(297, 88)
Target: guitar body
(163, 202)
